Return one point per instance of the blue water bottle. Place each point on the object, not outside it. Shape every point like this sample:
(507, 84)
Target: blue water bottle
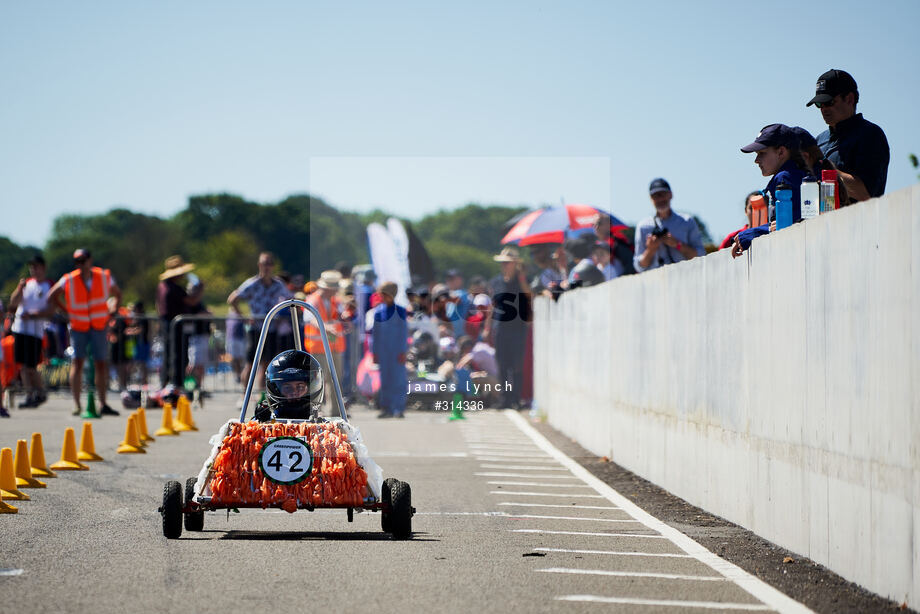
(783, 206)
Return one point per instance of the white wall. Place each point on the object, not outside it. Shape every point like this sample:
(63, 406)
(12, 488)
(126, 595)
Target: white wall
(780, 390)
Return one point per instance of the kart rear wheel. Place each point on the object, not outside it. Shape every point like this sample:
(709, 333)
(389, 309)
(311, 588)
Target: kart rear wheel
(401, 506)
(172, 510)
(386, 518)
(194, 521)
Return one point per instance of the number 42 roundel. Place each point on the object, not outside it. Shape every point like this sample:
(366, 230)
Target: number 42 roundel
(286, 460)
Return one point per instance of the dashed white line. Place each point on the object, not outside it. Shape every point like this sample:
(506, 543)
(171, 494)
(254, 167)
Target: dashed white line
(511, 483)
(11, 572)
(543, 494)
(521, 467)
(663, 555)
(570, 518)
(633, 574)
(568, 506)
(499, 474)
(711, 605)
(588, 533)
(504, 454)
(537, 459)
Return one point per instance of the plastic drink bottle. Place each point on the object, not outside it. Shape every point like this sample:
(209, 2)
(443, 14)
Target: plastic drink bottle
(783, 206)
(810, 197)
(829, 197)
(759, 211)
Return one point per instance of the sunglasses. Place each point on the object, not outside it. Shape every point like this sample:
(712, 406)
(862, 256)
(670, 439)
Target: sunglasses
(80, 260)
(828, 104)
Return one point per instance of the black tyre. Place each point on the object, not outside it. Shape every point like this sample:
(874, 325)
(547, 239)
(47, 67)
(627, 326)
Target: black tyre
(401, 506)
(386, 517)
(194, 521)
(172, 510)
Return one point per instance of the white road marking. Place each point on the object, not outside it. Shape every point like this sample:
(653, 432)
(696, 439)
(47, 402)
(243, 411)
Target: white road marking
(588, 533)
(521, 467)
(566, 506)
(711, 605)
(511, 483)
(505, 447)
(662, 555)
(492, 459)
(773, 598)
(422, 454)
(504, 454)
(543, 494)
(11, 572)
(460, 514)
(569, 518)
(498, 474)
(633, 574)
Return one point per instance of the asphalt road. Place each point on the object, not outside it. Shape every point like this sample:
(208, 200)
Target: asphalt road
(505, 522)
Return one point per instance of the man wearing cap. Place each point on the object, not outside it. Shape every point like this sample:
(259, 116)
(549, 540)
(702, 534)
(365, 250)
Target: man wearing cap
(261, 292)
(90, 296)
(666, 237)
(389, 333)
(172, 301)
(327, 303)
(507, 324)
(858, 147)
(30, 300)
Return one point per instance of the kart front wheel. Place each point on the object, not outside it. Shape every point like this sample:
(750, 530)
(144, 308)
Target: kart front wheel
(401, 506)
(172, 510)
(386, 517)
(194, 521)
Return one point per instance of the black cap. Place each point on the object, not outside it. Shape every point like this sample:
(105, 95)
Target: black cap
(804, 137)
(772, 135)
(658, 185)
(832, 83)
(452, 273)
(81, 254)
(37, 259)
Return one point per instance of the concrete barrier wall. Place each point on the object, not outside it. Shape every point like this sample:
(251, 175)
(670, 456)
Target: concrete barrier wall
(780, 390)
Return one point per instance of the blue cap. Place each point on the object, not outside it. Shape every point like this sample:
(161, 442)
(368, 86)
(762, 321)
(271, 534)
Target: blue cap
(805, 140)
(772, 135)
(658, 185)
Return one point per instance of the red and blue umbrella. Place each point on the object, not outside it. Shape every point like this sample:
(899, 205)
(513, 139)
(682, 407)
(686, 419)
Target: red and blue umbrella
(555, 225)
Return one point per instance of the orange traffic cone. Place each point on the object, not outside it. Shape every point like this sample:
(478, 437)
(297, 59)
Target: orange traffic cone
(69, 460)
(141, 419)
(24, 477)
(184, 420)
(37, 458)
(6, 508)
(88, 445)
(166, 428)
(8, 489)
(132, 442)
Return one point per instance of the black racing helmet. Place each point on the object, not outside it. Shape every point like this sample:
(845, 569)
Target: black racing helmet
(294, 381)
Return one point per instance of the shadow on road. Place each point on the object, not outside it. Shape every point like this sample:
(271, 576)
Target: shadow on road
(318, 535)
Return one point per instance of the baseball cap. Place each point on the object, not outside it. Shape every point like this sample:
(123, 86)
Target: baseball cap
(658, 185)
(804, 137)
(37, 259)
(439, 290)
(832, 83)
(772, 135)
(81, 254)
(452, 273)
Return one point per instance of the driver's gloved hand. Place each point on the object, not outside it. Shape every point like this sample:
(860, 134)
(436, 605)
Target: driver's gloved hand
(263, 412)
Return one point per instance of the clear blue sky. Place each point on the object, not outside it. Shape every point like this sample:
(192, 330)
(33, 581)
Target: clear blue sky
(414, 106)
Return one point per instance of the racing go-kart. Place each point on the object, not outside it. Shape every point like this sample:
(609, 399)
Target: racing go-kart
(296, 464)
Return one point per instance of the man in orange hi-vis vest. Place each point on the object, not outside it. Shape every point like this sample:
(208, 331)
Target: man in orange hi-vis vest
(326, 302)
(89, 295)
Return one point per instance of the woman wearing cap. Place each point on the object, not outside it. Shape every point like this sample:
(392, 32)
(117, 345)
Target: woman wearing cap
(778, 156)
(172, 301)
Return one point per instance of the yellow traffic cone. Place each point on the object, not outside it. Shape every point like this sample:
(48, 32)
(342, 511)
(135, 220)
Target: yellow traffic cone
(37, 458)
(6, 508)
(24, 477)
(88, 445)
(8, 489)
(69, 460)
(184, 420)
(166, 428)
(142, 425)
(132, 442)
